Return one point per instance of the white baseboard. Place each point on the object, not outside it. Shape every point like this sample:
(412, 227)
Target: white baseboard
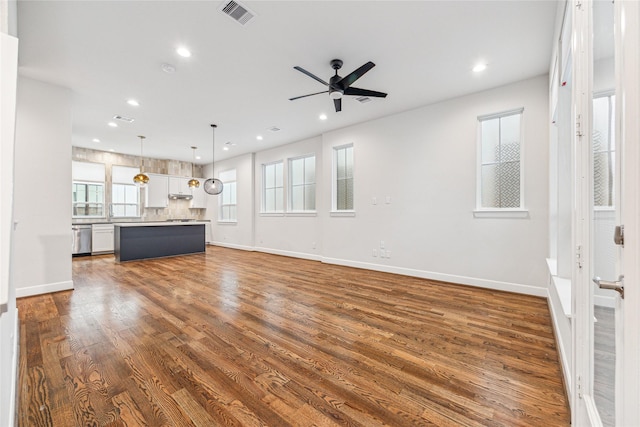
(312, 257)
(558, 315)
(13, 419)
(233, 246)
(43, 289)
(443, 277)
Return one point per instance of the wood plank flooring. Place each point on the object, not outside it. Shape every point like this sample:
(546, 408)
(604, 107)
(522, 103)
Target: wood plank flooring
(234, 338)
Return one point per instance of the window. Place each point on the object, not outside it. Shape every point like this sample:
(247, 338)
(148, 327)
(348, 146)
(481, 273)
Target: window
(603, 150)
(500, 174)
(343, 178)
(273, 188)
(302, 184)
(87, 190)
(227, 199)
(125, 195)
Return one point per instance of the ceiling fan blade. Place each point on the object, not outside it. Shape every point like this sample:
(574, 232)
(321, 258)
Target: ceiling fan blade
(348, 80)
(338, 104)
(364, 92)
(304, 96)
(303, 71)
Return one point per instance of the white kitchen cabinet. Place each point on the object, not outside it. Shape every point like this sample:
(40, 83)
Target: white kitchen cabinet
(157, 191)
(102, 238)
(179, 185)
(200, 198)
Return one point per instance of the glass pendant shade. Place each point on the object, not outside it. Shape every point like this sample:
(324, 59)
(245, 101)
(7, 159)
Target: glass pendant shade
(141, 179)
(213, 186)
(193, 183)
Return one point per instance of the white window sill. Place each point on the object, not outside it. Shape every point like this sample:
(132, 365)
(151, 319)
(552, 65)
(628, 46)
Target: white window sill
(343, 213)
(273, 214)
(302, 213)
(501, 213)
(227, 222)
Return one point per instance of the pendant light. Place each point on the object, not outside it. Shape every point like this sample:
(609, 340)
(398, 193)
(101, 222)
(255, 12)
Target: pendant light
(213, 185)
(141, 179)
(193, 183)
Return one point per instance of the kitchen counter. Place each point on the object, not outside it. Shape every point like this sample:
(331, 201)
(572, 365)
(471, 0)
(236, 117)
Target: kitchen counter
(144, 240)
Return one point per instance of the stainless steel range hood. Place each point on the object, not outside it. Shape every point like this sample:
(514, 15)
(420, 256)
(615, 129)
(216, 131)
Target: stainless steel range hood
(180, 196)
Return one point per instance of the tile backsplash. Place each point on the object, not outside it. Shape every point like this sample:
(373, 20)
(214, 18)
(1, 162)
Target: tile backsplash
(176, 209)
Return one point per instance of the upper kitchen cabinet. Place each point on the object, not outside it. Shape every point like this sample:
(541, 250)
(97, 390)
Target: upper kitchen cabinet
(179, 186)
(157, 191)
(199, 200)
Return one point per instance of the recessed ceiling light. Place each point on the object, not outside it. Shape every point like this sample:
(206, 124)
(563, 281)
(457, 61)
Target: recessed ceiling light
(323, 117)
(95, 140)
(183, 51)
(112, 124)
(479, 67)
(133, 103)
(112, 150)
(198, 157)
(225, 148)
(259, 137)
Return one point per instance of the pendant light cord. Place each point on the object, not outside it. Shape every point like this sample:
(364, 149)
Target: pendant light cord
(213, 153)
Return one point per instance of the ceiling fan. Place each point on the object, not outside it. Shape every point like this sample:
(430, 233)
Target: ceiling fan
(339, 86)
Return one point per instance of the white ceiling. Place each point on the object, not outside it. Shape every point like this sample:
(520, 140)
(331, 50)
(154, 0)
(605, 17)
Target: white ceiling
(241, 77)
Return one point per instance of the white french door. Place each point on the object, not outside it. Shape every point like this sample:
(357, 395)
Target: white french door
(606, 157)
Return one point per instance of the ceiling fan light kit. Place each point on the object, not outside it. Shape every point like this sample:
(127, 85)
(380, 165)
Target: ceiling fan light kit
(213, 185)
(339, 86)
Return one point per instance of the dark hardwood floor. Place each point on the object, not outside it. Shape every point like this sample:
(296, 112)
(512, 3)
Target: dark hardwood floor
(234, 338)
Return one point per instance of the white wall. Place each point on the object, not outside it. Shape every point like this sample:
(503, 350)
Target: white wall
(234, 235)
(424, 161)
(298, 235)
(42, 197)
(9, 324)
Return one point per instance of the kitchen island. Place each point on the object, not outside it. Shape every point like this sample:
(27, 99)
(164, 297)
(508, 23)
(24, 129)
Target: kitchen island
(144, 240)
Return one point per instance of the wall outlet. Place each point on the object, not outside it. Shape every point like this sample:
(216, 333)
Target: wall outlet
(374, 200)
(375, 253)
(313, 245)
(388, 254)
(381, 244)
(388, 200)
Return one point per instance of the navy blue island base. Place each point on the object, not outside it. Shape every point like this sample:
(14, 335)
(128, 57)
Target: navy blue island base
(157, 240)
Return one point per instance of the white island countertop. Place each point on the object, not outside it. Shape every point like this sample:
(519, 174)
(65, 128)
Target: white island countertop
(159, 223)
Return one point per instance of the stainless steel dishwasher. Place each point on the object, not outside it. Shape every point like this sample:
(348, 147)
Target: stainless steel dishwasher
(81, 239)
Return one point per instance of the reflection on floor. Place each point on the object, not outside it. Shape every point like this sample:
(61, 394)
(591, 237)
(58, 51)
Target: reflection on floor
(604, 364)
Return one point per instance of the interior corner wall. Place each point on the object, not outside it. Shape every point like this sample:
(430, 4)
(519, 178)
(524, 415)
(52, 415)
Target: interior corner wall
(290, 234)
(42, 197)
(420, 168)
(238, 235)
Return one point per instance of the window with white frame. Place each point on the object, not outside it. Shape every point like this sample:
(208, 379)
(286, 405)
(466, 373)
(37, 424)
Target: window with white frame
(87, 191)
(500, 172)
(343, 178)
(125, 195)
(603, 150)
(272, 188)
(227, 199)
(302, 184)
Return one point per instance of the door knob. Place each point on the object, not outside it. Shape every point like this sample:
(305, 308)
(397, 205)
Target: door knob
(615, 286)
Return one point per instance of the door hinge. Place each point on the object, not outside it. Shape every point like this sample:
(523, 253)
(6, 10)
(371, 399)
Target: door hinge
(579, 256)
(579, 126)
(618, 235)
(579, 5)
(579, 384)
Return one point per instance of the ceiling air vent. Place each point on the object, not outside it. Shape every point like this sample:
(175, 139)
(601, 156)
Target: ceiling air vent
(123, 118)
(237, 11)
(274, 129)
(363, 99)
